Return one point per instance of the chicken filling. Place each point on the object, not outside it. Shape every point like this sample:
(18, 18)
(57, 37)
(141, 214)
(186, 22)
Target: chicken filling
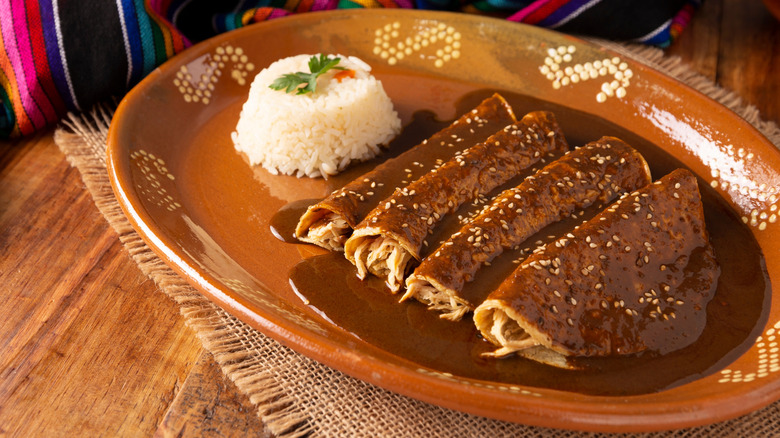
(330, 232)
(382, 257)
(509, 335)
(452, 307)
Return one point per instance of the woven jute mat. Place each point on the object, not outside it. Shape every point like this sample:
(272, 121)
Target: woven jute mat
(297, 396)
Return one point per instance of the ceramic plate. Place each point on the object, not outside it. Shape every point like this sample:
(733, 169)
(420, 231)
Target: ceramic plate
(206, 212)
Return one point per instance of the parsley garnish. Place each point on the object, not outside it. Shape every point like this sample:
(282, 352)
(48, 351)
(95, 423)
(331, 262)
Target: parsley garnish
(317, 66)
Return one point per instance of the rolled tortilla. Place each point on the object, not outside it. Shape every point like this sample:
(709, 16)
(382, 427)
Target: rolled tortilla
(637, 277)
(598, 172)
(388, 241)
(330, 222)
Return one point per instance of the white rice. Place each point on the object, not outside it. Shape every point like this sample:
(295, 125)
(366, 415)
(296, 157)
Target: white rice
(315, 134)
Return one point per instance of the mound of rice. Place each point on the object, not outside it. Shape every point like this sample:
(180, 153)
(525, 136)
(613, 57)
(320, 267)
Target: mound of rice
(315, 134)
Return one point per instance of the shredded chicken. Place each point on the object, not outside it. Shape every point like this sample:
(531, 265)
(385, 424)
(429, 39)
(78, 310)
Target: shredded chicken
(509, 335)
(330, 232)
(454, 308)
(382, 257)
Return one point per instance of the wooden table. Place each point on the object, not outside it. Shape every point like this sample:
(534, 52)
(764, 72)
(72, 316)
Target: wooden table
(90, 347)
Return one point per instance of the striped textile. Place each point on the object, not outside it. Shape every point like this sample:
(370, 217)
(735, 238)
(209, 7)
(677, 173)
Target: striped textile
(60, 56)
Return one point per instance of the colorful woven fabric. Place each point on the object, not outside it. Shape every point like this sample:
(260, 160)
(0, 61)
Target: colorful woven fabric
(60, 56)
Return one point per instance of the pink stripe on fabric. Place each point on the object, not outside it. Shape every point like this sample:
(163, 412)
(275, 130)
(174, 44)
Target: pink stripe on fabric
(24, 44)
(324, 5)
(528, 10)
(278, 12)
(9, 36)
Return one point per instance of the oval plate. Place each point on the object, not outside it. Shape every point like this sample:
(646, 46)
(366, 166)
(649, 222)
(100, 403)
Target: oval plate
(206, 213)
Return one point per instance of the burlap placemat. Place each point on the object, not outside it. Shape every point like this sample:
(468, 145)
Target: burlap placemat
(297, 396)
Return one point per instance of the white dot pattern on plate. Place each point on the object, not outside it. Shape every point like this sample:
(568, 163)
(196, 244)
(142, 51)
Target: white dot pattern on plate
(768, 359)
(263, 297)
(513, 389)
(764, 198)
(560, 71)
(436, 42)
(197, 80)
(156, 174)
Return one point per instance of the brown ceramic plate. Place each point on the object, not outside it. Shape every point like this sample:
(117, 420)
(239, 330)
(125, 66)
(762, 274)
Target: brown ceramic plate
(206, 212)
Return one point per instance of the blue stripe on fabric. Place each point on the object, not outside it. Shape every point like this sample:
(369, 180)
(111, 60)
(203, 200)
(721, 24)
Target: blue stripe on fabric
(53, 55)
(134, 41)
(221, 23)
(147, 37)
(574, 14)
(508, 4)
(562, 12)
(126, 43)
(661, 39)
(217, 22)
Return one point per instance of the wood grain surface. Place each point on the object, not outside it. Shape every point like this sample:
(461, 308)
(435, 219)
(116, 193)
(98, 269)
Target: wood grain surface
(90, 347)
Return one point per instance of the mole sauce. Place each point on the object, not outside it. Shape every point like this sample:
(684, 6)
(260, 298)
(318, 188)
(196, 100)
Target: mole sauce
(371, 313)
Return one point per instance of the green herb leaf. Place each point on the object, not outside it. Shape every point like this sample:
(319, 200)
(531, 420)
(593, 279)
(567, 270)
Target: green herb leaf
(293, 81)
